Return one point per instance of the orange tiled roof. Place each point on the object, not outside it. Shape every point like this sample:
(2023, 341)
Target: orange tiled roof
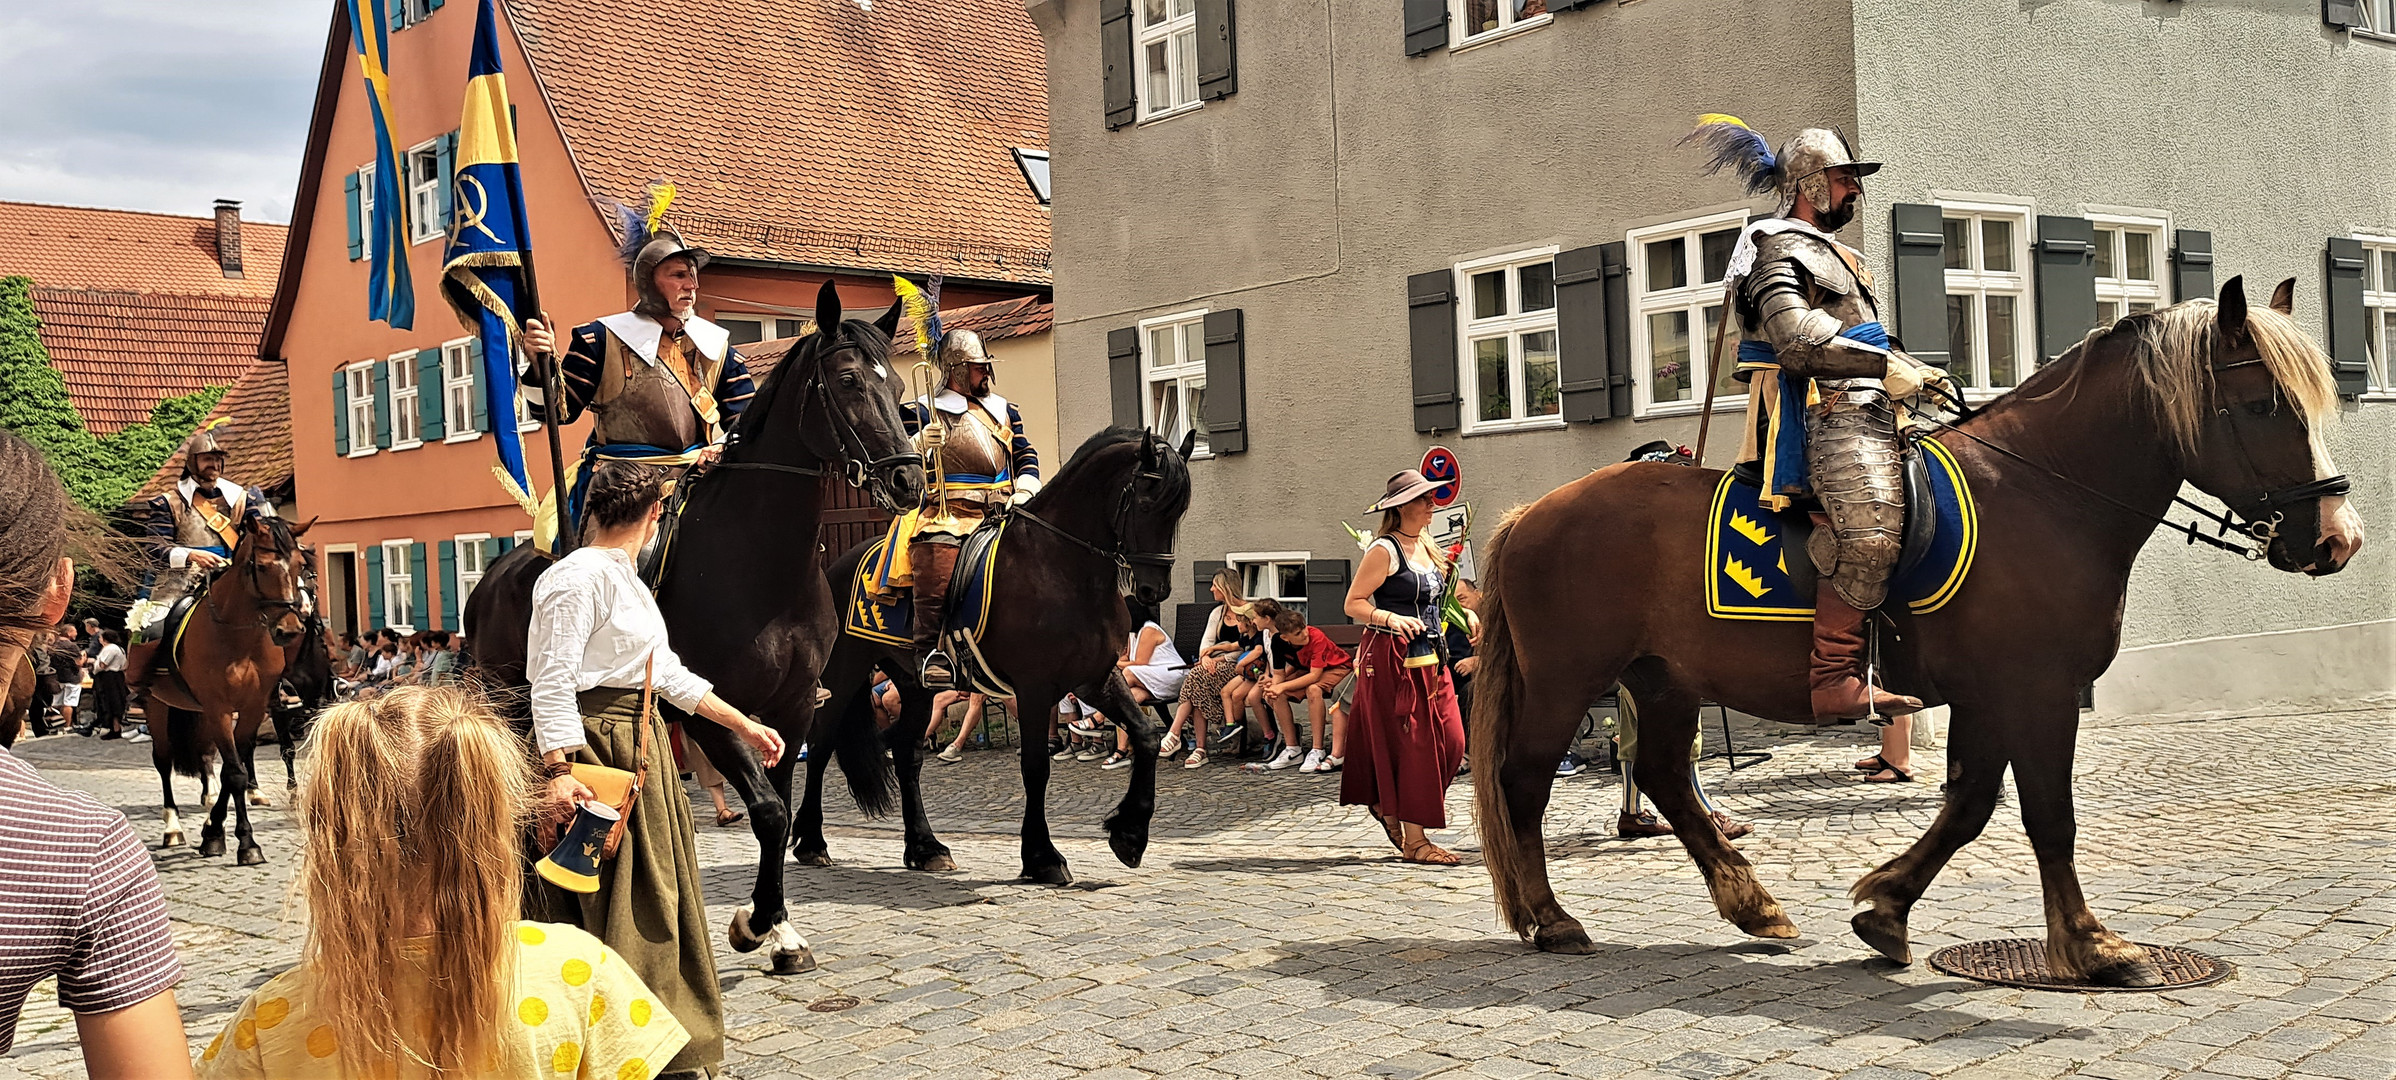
(257, 441)
(996, 321)
(75, 247)
(811, 131)
(123, 352)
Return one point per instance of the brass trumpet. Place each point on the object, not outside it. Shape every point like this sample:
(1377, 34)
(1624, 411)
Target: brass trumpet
(928, 383)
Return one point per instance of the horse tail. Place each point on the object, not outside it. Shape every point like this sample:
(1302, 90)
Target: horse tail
(857, 745)
(183, 742)
(1497, 687)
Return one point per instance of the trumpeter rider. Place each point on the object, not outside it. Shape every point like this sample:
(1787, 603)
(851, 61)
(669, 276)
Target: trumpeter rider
(193, 528)
(1822, 384)
(980, 460)
(666, 384)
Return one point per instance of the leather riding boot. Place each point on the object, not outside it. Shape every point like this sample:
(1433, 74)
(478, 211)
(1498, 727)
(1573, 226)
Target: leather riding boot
(933, 564)
(1837, 677)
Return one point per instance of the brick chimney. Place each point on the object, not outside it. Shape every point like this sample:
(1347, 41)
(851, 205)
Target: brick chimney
(228, 236)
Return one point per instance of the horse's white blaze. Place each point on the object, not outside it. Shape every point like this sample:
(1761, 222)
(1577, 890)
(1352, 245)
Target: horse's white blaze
(880, 372)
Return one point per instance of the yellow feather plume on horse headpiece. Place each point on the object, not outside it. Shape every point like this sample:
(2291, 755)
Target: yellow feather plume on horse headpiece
(922, 312)
(1737, 147)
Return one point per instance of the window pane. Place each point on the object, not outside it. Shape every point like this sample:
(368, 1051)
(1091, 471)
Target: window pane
(1164, 403)
(1959, 338)
(1538, 282)
(1196, 411)
(2139, 261)
(1290, 581)
(1480, 16)
(1185, 74)
(1161, 351)
(1152, 12)
(1714, 250)
(1184, 7)
(1160, 87)
(1668, 356)
(1494, 380)
(2001, 338)
(1193, 342)
(1958, 249)
(1667, 264)
(1256, 580)
(1725, 366)
(2387, 351)
(743, 331)
(2141, 307)
(2387, 271)
(2105, 239)
(1996, 245)
(2108, 313)
(1539, 374)
(1489, 294)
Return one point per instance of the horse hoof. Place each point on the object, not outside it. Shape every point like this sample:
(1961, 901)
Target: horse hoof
(1056, 874)
(936, 863)
(212, 846)
(812, 857)
(739, 934)
(2136, 975)
(173, 840)
(1884, 932)
(1128, 849)
(798, 962)
(1567, 938)
(257, 799)
(251, 856)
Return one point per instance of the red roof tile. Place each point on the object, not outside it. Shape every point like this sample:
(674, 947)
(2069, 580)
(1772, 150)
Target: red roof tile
(74, 247)
(811, 131)
(995, 321)
(123, 352)
(257, 439)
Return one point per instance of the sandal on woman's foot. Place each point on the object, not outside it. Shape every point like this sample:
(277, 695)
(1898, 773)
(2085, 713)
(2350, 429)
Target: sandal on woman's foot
(1197, 759)
(1171, 745)
(1872, 764)
(1429, 854)
(1890, 775)
(1397, 835)
(727, 816)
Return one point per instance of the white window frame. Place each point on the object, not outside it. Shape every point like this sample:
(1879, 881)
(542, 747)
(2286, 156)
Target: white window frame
(1693, 298)
(2379, 20)
(1188, 374)
(1038, 179)
(463, 586)
(523, 537)
(1172, 32)
(399, 586)
(424, 196)
(2122, 292)
(1514, 324)
(1268, 562)
(1508, 24)
(405, 435)
(1982, 283)
(458, 417)
(366, 211)
(361, 407)
(2379, 316)
(769, 323)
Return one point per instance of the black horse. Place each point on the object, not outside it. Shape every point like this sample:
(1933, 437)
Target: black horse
(743, 587)
(1057, 624)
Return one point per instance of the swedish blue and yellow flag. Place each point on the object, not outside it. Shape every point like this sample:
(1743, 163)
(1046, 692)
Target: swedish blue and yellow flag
(482, 274)
(390, 296)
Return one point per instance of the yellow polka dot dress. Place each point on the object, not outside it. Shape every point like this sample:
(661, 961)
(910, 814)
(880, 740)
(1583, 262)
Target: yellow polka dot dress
(579, 1012)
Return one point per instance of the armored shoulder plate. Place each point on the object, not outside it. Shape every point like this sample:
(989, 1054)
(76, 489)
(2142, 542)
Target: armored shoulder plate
(1823, 265)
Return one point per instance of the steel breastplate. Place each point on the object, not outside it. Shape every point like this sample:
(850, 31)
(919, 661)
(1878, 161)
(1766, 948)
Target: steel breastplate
(970, 448)
(191, 529)
(640, 402)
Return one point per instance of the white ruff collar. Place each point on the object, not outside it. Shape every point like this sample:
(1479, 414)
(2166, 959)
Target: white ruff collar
(231, 492)
(951, 401)
(1742, 257)
(641, 333)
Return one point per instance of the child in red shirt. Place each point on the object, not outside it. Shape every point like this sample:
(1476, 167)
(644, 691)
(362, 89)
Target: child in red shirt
(1326, 668)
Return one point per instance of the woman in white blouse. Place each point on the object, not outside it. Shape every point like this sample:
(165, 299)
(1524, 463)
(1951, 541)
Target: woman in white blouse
(596, 636)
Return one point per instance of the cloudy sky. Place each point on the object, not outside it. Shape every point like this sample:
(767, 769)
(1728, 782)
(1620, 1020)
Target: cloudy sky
(158, 105)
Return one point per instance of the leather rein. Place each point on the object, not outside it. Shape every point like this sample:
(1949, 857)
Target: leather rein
(857, 467)
(1121, 555)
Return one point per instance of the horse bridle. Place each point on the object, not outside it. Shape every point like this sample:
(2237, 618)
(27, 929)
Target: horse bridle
(1121, 555)
(267, 611)
(857, 467)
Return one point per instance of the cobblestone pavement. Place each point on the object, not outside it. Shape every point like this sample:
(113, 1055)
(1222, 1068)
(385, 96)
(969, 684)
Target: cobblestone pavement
(1271, 933)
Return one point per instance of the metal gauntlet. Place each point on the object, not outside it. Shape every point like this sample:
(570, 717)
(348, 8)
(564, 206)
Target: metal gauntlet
(1852, 449)
(1806, 337)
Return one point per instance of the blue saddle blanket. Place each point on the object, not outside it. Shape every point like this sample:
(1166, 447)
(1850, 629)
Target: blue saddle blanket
(891, 619)
(1747, 570)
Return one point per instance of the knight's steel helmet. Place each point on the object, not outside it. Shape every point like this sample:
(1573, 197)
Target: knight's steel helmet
(204, 441)
(1806, 161)
(665, 244)
(961, 347)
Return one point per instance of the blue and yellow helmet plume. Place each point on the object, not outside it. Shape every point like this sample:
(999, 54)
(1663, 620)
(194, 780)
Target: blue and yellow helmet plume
(1737, 147)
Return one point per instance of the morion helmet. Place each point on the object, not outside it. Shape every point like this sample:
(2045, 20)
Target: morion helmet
(203, 441)
(959, 348)
(1798, 171)
(648, 241)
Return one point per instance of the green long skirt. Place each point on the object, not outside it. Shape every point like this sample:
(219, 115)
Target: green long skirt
(648, 907)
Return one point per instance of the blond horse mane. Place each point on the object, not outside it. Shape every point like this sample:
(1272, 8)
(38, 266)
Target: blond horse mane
(2176, 367)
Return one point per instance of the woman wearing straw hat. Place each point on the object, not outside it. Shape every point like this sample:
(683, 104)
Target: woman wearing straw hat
(1406, 739)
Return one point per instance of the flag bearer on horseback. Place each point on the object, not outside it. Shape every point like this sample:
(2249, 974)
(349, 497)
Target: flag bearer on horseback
(193, 528)
(666, 383)
(1823, 384)
(977, 458)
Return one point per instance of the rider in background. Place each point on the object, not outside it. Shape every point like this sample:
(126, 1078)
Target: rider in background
(193, 528)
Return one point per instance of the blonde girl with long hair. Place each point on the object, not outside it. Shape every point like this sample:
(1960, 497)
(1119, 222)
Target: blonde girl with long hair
(416, 962)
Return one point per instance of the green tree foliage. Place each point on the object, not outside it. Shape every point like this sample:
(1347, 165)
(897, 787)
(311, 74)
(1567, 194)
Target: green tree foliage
(100, 472)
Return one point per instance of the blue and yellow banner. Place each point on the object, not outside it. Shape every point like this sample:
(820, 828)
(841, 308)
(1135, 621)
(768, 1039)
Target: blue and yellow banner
(390, 296)
(482, 273)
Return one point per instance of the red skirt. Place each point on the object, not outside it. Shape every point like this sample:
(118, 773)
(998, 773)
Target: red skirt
(1405, 737)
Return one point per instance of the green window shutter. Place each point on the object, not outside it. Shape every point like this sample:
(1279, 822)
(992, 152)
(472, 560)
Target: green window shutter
(450, 592)
(432, 400)
(433, 5)
(1226, 407)
(374, 587)
(2191, 264)
(480, 397)
(447, 156)
(1218, 51)
(349, 202)
(1116, 85)
(1921, 281)
(341, 412)
(493, 548)
(2349, 321)
(2066, 260)
(420, 607)
(1586, 309)
(1616, 257)
(382, 404)
(1426, 26)
(1431, 337)
(399, 14)
(1327, 591)
(1123, 374)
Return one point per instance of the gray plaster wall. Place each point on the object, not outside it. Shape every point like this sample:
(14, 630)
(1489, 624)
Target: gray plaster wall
(1341, 167)
(2248, 118)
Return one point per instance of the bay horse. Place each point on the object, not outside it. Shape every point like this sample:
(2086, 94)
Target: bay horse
(743, 588)
(231, 654)
(1057, 623)
(1602, 579)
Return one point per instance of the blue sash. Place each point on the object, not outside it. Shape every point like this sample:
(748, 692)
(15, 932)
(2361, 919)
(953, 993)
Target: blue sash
(1784, 440)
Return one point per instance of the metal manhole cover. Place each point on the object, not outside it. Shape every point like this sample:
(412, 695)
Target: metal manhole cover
(840, 1003)
(2023, 962)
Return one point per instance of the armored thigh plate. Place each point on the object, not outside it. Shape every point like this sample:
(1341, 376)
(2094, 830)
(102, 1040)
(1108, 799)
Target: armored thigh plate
(1852, 449)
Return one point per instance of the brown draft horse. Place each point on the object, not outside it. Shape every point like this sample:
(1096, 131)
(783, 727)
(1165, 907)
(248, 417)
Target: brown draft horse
(232, 654)
(1601, 578)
